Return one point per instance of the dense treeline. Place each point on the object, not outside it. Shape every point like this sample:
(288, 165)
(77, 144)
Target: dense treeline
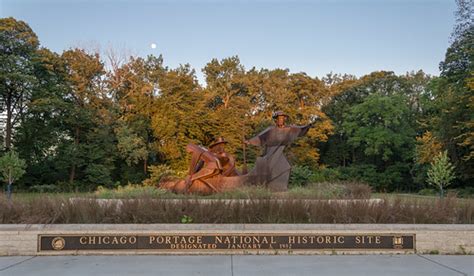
(79, 123)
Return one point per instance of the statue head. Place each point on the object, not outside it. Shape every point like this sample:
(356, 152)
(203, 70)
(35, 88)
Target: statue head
(218, 145)
(280, 118)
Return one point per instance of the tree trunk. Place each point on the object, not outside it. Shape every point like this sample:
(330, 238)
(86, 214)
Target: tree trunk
(9, 187)
(8, 127)
(145, 165)
(343, 153)
(301, 104)
(226, 101)
(72, 173)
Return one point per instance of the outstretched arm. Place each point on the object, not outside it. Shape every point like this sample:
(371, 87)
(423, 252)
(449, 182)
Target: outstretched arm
(255, 141)
(302, 130)
(259, 139)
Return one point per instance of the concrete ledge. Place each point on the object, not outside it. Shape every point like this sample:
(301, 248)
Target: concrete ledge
(22, 239)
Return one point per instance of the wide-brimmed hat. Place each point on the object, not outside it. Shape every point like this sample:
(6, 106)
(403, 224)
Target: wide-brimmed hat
(279, 113)
(218, 141)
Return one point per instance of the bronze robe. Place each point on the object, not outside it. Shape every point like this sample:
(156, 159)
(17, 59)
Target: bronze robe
(273, 169)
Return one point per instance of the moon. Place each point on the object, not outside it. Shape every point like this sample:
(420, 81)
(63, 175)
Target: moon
(153, 46)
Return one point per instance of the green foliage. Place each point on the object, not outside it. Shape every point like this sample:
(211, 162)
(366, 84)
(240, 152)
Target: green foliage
(322, 190)
(328, 190)
(380, 127)
(427, 192)
(18, 44)
(326, 175)
(158, 173)
(45, 188)
(131, 147)
(390, 179)
(186, 219)
(375, 128)
(467, 192)
(441, 173)
(12, 167)
(129, 191)
(300, 176)
(451, 104)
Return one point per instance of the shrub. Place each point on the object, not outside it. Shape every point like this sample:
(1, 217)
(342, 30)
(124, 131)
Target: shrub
(51, 188)
(467, 192)
(393, 177)
(320, 190)
(326, 175)
(300, 176)
(427, 192)
(129, 191)
(357, 190)
(331, 190)
(158, 173)
(186, 219)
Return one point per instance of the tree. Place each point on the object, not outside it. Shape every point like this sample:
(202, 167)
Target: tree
(366, 112)
(441, 172)
(304, 99)
(336, 151)
(345, 93)
(12, 168)
(90, 120)
(18, 45)
(224, 80)
(452, 115)
(179, 116)
(380, 127)
(131, 146)
(228, 101)
(135, 88)
(43, 130)
(428, 148)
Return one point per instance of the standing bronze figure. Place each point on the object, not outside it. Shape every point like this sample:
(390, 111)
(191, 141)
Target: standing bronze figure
(272, 168)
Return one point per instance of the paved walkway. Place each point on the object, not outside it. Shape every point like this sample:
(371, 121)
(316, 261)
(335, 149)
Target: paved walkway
(239, 265)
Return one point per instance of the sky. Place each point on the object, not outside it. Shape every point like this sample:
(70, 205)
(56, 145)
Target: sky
(316, 37)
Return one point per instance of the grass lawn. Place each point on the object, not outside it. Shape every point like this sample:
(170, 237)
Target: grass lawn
(392, 196)
(313, 191)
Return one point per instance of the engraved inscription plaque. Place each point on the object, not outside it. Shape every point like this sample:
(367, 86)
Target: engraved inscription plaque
(217, 242)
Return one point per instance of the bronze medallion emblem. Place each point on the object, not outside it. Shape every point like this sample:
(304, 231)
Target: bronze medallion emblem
(397, 242)
(58, 243)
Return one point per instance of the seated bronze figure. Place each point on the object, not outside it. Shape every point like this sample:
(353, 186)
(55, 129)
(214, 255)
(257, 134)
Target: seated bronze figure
(210, 171)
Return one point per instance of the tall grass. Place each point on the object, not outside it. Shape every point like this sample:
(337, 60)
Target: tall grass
(151, 210)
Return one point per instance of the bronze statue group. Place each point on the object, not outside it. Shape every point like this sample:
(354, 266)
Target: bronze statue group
(213, 170)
